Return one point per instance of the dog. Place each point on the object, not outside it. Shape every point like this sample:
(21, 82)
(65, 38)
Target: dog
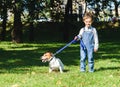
(54, 63)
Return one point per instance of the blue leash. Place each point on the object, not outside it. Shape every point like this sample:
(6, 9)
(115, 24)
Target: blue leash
(82, 44)
(73, 41)
(64, 47)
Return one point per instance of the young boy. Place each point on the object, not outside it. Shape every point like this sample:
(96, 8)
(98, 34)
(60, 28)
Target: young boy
(89, 36)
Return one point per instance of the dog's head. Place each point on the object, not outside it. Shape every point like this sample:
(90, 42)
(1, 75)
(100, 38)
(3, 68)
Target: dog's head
(47, 57)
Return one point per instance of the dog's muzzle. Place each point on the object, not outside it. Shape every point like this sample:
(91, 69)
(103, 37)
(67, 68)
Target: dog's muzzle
(43, 59)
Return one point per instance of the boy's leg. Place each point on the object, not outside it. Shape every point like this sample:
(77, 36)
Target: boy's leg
(82, 60)
(90, 60)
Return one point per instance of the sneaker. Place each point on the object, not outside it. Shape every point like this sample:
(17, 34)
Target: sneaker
(82, 70)
(91, 71)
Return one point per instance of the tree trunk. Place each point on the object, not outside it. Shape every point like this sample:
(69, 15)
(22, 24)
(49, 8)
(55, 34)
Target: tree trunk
(31, 20)
(85, 7)
(67, 18)
(52, 5)
(17, 29)
(17, 26)
(3, 32)
(31, 32)
(116, 8)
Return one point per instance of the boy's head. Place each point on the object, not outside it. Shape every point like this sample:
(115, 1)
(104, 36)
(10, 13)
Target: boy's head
(88, 19)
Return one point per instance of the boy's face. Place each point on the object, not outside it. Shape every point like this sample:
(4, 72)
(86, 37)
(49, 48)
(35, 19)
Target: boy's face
(88, 22)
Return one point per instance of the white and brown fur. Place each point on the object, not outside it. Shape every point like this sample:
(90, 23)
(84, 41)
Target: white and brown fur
(54, 63)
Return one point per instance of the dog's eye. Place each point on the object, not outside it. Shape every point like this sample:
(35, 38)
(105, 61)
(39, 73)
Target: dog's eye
(45, 55)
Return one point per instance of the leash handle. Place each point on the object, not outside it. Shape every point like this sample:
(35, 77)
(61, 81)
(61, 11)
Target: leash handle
(64, 47)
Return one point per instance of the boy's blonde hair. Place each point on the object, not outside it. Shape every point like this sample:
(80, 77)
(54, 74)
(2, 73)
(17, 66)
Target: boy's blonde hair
(88, 15)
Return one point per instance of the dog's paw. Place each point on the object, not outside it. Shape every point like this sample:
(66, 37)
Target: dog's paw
(61, 71)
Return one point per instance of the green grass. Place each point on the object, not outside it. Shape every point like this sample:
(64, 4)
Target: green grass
(20, 66)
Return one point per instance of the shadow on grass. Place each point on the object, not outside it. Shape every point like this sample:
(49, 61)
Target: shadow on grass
(21, 58)
(107, 68)
(109, 50)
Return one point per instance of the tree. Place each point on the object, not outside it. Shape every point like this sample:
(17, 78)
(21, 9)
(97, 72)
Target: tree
(116, 4)
(3, 6)
(31, 17)
(35, 9)
(57, 10)
(67, 18)
(17, 25)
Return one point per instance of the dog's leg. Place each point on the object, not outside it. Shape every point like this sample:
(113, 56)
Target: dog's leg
(61, 66)
(61, 69)
(50, 70)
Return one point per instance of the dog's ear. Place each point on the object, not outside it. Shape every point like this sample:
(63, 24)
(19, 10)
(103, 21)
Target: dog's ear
(51, 54)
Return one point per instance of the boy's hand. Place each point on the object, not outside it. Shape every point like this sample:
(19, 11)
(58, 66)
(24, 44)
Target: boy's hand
(95, 50)
(76, 37)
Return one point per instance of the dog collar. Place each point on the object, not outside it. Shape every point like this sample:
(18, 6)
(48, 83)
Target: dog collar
(51, 58)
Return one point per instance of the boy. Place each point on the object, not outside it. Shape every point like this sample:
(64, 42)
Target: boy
(89, 36)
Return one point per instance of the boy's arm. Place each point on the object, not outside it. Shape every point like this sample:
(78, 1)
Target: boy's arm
(79, 36)
(96, 46)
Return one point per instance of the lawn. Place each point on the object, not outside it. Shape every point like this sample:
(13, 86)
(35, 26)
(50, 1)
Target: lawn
(20, 66)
